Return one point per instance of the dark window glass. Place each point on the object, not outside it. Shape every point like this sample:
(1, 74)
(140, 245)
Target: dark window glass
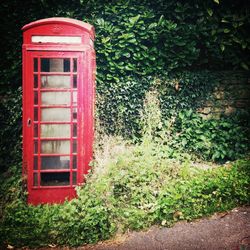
(74, 146)
(35, 114)
(75, 65)
(35, 81)
(74, 178)
(74, 162)
(55, 65)
(55, 179)
(35, 65)
(35, 147)
(66, 65)
(74, 113)
(35, 98)
(35, 130)
(35, 179)
(74, 130)
(35, 162)
(45, 65)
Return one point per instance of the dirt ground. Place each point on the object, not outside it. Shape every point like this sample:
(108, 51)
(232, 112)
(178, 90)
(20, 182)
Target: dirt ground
(221, 231)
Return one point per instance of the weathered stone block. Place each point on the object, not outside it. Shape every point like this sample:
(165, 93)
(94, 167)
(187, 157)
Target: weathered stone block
(219, 95)
(205, 110)
(230, 110)
(241, 104)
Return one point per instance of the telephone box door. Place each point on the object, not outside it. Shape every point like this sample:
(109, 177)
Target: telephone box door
(54, 113)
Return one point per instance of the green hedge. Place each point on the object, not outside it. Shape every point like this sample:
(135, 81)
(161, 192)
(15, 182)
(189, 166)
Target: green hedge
(216, 190)
(11, 129)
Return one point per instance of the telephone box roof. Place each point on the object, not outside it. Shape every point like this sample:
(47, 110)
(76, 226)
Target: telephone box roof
(57, 20)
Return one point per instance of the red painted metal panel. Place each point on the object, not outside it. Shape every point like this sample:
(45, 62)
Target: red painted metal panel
(51, 195)
(54, 22)
(63, 170)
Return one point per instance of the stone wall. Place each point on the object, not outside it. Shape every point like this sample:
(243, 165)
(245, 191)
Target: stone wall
(231, 94)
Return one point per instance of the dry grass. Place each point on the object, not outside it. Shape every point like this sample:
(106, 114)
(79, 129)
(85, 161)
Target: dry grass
(107, 150)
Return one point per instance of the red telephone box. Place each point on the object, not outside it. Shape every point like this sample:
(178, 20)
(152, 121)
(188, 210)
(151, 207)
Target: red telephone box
(58, 101)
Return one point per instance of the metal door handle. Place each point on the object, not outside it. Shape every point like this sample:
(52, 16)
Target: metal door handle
(29, 122)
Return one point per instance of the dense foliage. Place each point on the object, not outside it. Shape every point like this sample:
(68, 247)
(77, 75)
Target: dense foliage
(10, 133)
(186, 133)
(139, 37)
(136, 41)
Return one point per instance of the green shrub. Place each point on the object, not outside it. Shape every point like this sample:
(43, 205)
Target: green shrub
(210, 191)
(10, 132)
(83, 220)
(185, 134)
(86, 220)
(212, 139)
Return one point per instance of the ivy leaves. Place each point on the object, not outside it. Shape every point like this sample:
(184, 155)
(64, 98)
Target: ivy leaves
(126, 46)
(143, 40)
(216, 140)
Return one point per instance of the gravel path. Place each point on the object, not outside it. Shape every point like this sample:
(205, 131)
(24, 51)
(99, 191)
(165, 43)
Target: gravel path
(221, 231)
(226, 231)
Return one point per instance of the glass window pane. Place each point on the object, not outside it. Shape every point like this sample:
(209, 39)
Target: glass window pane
(35, 179)
(55, 130)
(74, 98)
(45, 65)
(74, 162)
(55, 81)
(35, 81)
(35, 98)
(35, 162)
(55, 65)
(74, 65)
(35, 114)
(55, 98)
(74, 130)
(74, 146)
(35, 147)
(66, 65)
(55, 147)
(35, 65)
(55, 114)
(74, 81)
(74, 178)
(54, 179)
(35, 130)
(55, 162)
(74, 114)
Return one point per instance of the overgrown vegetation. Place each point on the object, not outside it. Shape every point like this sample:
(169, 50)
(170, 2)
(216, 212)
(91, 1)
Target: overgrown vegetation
(139, 38)
(10, 132)
(136, 189)
(209, 139)
(176, 41)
